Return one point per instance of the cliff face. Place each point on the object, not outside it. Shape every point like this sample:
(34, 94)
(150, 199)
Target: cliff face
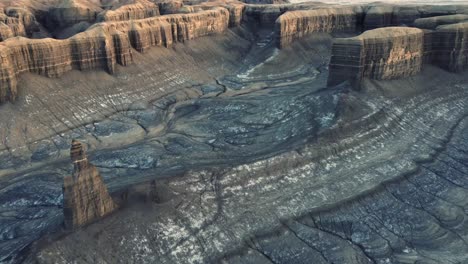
(388, 15)
(16, 21)
(139, 10)
(450, 44)
(385, 53)
(101, 46)
(85, 196)
(296, 24)
(434, 22)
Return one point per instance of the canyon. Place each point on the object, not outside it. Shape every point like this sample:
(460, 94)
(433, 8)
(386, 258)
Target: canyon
(233, 132)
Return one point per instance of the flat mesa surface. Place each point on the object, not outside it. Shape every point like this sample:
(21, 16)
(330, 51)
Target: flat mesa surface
(224, 148)
(389, 32)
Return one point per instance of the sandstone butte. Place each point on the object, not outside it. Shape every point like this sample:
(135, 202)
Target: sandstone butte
(396, 52)
(383, 53)
(85, 196)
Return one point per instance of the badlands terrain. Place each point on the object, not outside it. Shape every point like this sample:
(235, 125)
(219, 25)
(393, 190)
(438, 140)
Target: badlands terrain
(261, 131)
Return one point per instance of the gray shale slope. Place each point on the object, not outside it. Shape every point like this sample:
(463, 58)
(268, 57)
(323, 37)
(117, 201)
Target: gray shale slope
(229, 150)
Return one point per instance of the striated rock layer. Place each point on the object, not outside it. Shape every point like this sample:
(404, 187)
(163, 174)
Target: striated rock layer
(101, 46)
(450, 47)
(385, 53)
(85, 197)
(15, 21)
(395, 52)
(388, 15)
(434, 22)
(296, 24)
(139, 10)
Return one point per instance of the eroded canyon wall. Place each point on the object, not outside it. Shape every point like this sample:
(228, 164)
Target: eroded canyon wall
(397, 52)
(434, 22)
(450, 47)
(15, 21)
(101, 46)
(85, 196)
(296, 24)
(382, 15)
(381, 54)
(139, 10)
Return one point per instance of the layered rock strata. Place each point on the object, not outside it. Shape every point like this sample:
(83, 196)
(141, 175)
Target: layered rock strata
(434, 22)
(296, 24)
(385, 53)
(16, 22)
(85, 196)
(139, 10)
(450, 47)
(395, 52)
(101, 46)
(388, 15)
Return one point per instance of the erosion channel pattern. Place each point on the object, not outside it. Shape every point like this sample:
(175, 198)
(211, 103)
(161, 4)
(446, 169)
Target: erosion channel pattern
(233, 132)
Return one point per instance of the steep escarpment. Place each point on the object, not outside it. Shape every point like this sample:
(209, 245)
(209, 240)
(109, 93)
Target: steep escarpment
(434, 22)
(15, 21)
(94, 49)
(450, 47)
(139, 10)
(102, 46)
(85, 196)
(385, 53)
(395, 52)
(296, 24)
(380, 15)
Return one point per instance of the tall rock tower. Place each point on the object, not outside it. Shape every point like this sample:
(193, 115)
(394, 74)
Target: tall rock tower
(85, 197)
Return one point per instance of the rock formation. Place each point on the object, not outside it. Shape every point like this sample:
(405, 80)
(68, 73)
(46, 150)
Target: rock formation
(139, 10)
(70, 12)
(449, 44)
(16, 21)
(296, 24)
(170, 7)
(389, 15)
(101, 46)
(262, 2)
(265, 15)
(434, 22)
(384, 53)
(85, 196)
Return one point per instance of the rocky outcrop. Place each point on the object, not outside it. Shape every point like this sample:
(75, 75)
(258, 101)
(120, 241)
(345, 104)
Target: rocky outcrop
(434, 22)
(379, 15)
(139, 10)
(265, 15)
(450, 47)
(101, 46)
(262, 2)
(70, 12)
(85, 196)
(169, 6)
(296, 24)
(16, 21)
(381, 54)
